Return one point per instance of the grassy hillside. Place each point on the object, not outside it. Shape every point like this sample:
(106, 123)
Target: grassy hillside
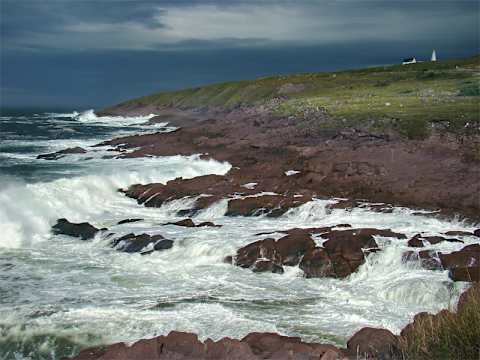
(412, 98)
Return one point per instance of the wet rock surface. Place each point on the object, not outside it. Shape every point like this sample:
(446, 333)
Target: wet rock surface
(339, 256)
(190, 223)
(271, 205)
(464, 265)
(371, 343)
(84, 231)
(60, 154)
(143, 243)
(186, 346)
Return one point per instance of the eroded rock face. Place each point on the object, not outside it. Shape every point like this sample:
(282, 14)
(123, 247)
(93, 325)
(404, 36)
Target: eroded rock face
(84, 231)
(59, 154)
(143, 243)
(186, 346)
(374, 343)
(419, 240)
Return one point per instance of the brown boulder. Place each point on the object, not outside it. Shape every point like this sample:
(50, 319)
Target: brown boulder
(293, 246)
(262, 249)
(317, 263)
(472, 292)
(275, 346)
(267, 266)
(465, 273)
(467, 256)
(374, 343)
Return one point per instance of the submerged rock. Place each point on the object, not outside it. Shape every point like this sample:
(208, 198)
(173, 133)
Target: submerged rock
(143, 243)
(126, 221)
(85, 231)
(190, 223)
(59, 154)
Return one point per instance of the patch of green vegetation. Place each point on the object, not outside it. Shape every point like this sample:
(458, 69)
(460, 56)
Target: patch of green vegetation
(410, 99)
(449, 336)
(470, 88)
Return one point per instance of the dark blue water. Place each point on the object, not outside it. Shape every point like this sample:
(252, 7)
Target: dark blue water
(26, 134)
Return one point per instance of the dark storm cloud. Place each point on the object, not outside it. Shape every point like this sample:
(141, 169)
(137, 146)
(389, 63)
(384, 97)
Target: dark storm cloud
(92, 25)
(85, 52)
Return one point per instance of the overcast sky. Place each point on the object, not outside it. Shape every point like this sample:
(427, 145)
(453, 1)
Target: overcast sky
(86, 53)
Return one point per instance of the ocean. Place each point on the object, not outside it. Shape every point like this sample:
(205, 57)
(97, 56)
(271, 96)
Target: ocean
(59, 294)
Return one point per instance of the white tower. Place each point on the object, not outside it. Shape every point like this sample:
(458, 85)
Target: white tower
(434, 56)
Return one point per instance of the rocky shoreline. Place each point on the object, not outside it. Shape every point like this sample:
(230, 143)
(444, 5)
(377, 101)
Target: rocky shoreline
(276, 167)
(367, 343)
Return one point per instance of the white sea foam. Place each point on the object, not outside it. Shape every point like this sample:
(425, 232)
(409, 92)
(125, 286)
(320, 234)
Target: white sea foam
(89, 116)
(28, 210)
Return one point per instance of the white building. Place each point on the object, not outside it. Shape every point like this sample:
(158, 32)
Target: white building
(407, 61)
(434, 56)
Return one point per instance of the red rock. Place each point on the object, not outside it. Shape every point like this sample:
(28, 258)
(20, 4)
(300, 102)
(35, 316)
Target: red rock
(293, 246)
(262, 249)
(416, 241)
(317, 263)
(465, 273)
(467, 256)
(373, 344)
(185, 346)
(267, 266)
(472, 291)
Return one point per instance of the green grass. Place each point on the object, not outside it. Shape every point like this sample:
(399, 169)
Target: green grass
(411, 99)
(447, 336)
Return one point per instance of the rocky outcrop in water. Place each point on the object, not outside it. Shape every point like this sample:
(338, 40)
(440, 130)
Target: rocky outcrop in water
(84, 231)
(190, 223)
(143, 243)
(463, 265)
(339, 256)
(419, 240)
(60, 154)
